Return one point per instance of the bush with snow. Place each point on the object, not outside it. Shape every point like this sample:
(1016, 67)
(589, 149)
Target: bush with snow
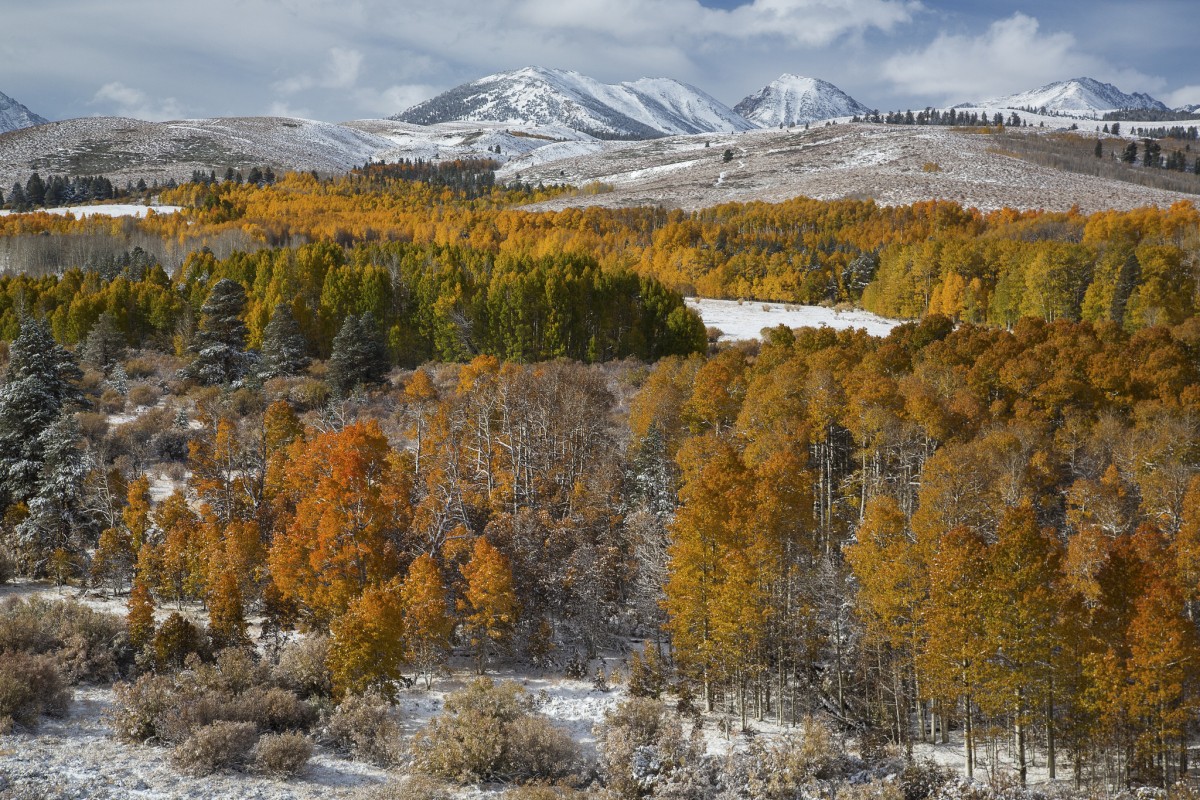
(491, 732)
(220, 745)
(284, 754)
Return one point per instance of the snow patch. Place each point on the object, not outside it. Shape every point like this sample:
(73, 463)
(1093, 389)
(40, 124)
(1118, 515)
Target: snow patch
(747, 319)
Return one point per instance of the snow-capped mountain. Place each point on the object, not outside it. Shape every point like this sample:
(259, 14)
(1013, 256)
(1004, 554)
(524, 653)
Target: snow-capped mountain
(642, 109)
(1077, 96)
(14, 116)
(1192, 109)
(795, 100)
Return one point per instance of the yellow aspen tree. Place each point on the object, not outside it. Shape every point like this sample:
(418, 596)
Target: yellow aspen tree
(428, 623)
(368, 641)
(489, 601)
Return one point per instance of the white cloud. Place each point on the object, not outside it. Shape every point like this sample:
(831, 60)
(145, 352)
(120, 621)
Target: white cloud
(341, 72)
(392, 100)
(807, 22)
(126, 101)
(1183, 96)
(1012, 55)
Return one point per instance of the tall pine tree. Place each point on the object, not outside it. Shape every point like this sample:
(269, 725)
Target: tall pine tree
(359, 357)
(284, 351)
(220, 343)
(40, 382)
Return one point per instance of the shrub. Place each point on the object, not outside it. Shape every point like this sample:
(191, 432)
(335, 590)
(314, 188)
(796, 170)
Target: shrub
(87, 645)
(413, 787)
(139, 707)
(922, 779)
(366, 726)
(143, 395)
(283, 753)
(303, 667)
(780, 770)
(541, 791)
(221, 745)
(29, 687)
(488, 732)
(237, 669)
(274, 709)
(539, 749)
(875, 790)
(641, 745)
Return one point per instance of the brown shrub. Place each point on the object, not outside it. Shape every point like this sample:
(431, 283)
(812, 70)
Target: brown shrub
(303, 667)
(221, 745)
(412, 787)
(139, 707)
(366, 726)
(273, 709)
(143, 395)
(539, 749)
(284, 754)
(88, 645)
(29, 687)
(489, 731)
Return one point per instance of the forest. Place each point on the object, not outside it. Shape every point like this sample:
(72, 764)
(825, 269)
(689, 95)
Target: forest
(414, 426)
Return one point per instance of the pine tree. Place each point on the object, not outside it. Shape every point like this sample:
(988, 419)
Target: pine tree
(284, 351)
(220, 343)
(105, 344)
(35, 190)
(359, 356)
(40, 382)
(57, 516)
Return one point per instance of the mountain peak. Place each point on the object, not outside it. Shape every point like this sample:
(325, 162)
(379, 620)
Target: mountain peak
(1082, 95)
(642, 109)
(14, 116)
(796, 100)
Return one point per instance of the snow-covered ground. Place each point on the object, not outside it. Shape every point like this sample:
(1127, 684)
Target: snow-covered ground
(737, 319)
(109, 210)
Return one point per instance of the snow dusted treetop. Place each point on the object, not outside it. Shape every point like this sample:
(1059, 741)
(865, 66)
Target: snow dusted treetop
(795, 100)
(1077, 96)
(643, 109)
(40, 382)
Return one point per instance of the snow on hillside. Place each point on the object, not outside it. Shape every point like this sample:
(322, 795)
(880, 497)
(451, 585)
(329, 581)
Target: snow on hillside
(795, 100)
(14, 116)
(739, 319)
(642, 109)
(1084, 96)
(890, 164)
(109, 210)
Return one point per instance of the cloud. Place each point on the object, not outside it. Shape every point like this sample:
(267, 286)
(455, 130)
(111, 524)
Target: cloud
(1012, 55)
(806, 22)
(126, 101)
(392, 100)
(341, 72)
(1183, 96)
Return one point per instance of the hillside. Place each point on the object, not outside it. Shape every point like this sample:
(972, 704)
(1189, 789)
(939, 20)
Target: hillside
(893, 165)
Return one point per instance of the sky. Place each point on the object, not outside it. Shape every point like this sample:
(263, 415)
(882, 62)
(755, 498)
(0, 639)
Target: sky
(337, 60)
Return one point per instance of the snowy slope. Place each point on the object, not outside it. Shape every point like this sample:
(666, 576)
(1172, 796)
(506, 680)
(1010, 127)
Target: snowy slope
(642, 109)
(14, 116)
(1084, 96)
(795, 100)
(1192, 109)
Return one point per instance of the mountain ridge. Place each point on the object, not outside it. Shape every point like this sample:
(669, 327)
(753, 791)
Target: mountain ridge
(643, 109)
(14, 115)
(1077, 95)
(791, 100)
